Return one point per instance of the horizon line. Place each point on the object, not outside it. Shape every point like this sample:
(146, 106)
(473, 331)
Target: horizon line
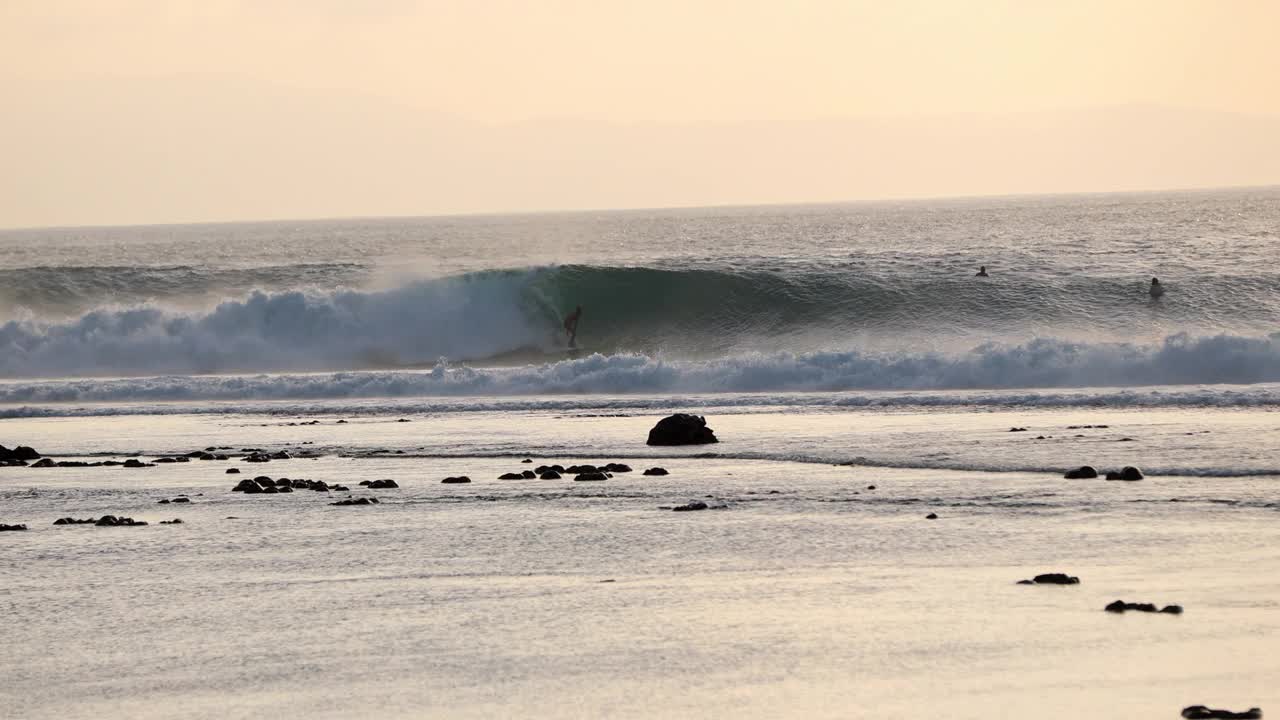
(642, 208)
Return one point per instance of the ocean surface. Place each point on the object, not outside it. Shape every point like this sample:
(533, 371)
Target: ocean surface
(857, 373)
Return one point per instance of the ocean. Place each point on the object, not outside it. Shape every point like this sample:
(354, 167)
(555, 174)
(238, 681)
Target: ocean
(857, 374)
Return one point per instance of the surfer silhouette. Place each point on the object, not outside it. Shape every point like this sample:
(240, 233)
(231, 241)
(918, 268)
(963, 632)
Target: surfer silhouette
(1156, 288)
(982, 272)
(571, 325)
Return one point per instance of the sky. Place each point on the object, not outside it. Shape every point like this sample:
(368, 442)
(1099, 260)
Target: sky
(148, 111)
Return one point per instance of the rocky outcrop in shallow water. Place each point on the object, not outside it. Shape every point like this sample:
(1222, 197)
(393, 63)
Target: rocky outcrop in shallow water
(1200, 712)
(1120, 606)
(1129, 473)
(380, 484)
(1084, 472)
(682, 429)
(12, 528)
(113, 521)
(1051, 579)
(459, 480)
(356, 501)
(73, 521)
(19, 454)
(656, 472)
(592, 477)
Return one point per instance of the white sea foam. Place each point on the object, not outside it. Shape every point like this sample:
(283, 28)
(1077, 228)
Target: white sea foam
(1216, 371)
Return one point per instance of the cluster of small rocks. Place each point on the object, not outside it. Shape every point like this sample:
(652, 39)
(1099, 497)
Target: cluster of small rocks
(265, 485)
(113, 521)
(379, 484)
(1120, 606)
(181, 499)
(1128, 473)
(18, 456)
(356, 501)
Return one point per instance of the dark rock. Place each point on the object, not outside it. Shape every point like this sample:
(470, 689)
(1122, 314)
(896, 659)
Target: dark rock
(257, 457)
(1084, 472)
(281, 455)
(931, 516)
(682, 429)
(270, 490)
(528, 475)
(283, 482)
(1200, 712)
(558, 468)
(136, 463)
(617, 468)
(283, 489)
(44, 463)
(656, 471)
(174, 521)
(339, 488)
(1128, 473)
(381, 484)
(12, 528)
(511, 476)
(164, 502)
(1053, 579)
(318, 486)
(182, 500)
(73, 521)
(233, 471)
(456, 480)
(549, 475)
(579, 469)
(690, 507)
(1026, 582)
(1120, 606)
(22, 453)
(165, 461)
(113, 521)
(1017, 429)
(871, 487)
(246, 485)
(591, 477)
(264, 481)
(357, 501)
(526, 460)
(300, 485)
(403, 420)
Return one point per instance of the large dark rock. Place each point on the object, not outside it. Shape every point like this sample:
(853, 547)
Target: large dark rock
(549, 475)
(380, 484)
(1052, 579)
(73, 521)
(44, 463)
(136, 463)
(682, 429)
(591, 477)
(1084, 472)
(456, 480)
(1200, 712)
(656, 471)
(12, 528)
(1128, 473)
(511, 476)
(21, 453)
(617, 468)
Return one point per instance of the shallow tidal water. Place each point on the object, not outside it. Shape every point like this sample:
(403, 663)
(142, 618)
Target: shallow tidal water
(808, 595)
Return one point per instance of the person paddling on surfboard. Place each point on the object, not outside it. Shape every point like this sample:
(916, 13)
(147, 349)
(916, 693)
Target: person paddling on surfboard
(571, 325)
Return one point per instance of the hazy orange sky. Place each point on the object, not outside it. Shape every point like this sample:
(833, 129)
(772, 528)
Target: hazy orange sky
(148, 111)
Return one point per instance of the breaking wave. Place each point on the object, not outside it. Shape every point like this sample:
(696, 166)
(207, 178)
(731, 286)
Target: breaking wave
(832, 316)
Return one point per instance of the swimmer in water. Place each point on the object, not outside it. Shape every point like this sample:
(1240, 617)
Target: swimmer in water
(982, 272)
(1156, 288)
(571, 325)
